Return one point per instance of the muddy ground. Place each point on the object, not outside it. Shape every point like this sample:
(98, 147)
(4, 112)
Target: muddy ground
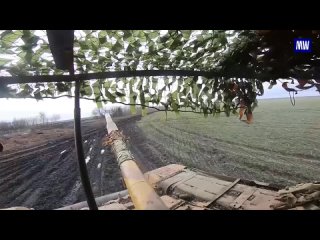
(38, 168)
(148, 154)
(42, 172)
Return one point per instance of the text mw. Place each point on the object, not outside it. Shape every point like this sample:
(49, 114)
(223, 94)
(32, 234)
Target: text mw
(302, 45)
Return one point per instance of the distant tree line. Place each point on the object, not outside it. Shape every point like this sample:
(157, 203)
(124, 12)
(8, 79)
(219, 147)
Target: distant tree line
(21, 123)
(117, 111)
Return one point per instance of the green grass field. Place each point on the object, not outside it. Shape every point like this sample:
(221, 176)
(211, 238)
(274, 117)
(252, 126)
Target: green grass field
(281, 146)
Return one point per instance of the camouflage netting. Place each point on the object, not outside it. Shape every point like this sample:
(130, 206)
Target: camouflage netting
(230, 66)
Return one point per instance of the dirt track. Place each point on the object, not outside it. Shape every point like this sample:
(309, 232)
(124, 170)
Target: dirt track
(149, 155)
(47, 177)
(41, 170)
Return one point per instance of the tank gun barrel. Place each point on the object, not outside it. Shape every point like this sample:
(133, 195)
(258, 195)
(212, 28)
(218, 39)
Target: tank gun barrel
(142, 194)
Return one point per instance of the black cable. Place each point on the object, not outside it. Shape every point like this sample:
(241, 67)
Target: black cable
(79, 149)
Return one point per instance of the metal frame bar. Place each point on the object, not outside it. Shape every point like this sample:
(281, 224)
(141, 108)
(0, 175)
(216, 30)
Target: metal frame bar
(222, 192)
(99, 200)
(79, 149)
(102, 75)
(146, 73)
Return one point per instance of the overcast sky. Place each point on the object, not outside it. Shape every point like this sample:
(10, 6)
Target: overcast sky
(25, 108)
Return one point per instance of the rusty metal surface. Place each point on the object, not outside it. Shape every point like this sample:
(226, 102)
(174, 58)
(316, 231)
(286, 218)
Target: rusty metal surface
(172, 203)
(254, 183)
(298, 195)
(194, 190)
(113, 206)
(170, 183)
(242, 198)
(193, 183)
(223, 191)
(260, 200)
(99, 200)
(160, 174)
(214, 192)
